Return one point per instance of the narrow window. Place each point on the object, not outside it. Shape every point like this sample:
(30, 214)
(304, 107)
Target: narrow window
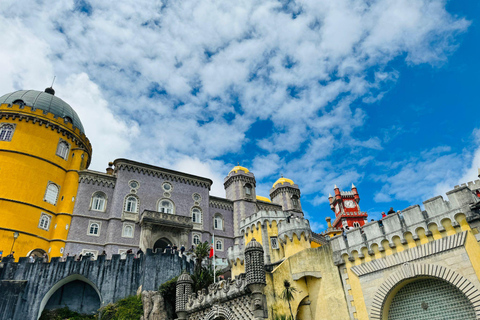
(356, 225)
(165, 206)
(93, 229)
(218, 223)
(295, 201)
(196, 215)
(248, 189)
(128, 231)
(196, 239)
(51, 195)
(98, 201)
(131, 204)
(6, 132)
(274, 242)
(62, 149)
(219, 245)
(44, 222)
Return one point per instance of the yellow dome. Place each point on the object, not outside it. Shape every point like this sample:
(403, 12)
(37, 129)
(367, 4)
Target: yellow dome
(235, 169)
(282, 180)
(263, 199)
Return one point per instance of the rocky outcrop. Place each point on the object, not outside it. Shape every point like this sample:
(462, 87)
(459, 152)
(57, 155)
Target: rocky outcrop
(153, 306)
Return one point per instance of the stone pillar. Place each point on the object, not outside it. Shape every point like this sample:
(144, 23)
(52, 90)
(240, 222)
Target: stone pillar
(145, 237)
(255, 278)
(184, 290)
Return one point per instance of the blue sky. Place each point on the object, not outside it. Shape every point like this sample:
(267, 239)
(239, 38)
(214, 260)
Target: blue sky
(379, 93)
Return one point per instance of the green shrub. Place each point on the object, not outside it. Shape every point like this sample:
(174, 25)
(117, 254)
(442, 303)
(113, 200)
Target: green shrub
(65, 314)
(130, 308)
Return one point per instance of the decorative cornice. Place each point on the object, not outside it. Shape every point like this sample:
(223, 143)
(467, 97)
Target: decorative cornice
(166, 174)
(285, 189)
(423, 251)
(268, 206)
(100, 179)
(220, 203)
(239, 177)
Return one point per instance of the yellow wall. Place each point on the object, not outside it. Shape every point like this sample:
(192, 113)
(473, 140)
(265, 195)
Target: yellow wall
(27, 164)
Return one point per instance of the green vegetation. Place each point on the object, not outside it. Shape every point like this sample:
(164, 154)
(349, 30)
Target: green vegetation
(168, 290)
(65, 314)
(287, 294)
(130, 308)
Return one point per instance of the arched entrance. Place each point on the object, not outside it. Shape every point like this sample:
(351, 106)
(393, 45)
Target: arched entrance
(38, 253)
(76, 292)
(161, 244)
(430, 299)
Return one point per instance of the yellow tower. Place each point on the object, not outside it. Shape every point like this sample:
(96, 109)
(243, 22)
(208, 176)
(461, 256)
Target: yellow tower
(42, 147)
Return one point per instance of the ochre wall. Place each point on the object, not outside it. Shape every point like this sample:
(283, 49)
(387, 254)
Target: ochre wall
(27, 164)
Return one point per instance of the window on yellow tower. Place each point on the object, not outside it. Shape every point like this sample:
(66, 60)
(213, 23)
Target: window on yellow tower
(51, 195)
(44, 222)
(62, 149)
(6, 132)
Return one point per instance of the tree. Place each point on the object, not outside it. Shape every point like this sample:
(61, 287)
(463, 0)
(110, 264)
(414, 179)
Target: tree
(201, 252)
(287, 294)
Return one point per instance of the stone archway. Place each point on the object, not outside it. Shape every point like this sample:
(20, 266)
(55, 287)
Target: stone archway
(408, 273)
(72, 279)
(161, 244)
(220, 313)
(38, 253)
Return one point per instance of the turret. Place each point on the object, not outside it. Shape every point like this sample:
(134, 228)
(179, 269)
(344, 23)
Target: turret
(255, 278)
(184, 290)
(294, 234)
(347, 209)
(287, 194)
(240, 188)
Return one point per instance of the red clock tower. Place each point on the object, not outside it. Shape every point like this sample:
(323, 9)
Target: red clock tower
(346, 208)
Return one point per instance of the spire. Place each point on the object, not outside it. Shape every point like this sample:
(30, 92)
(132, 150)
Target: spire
(353, 186)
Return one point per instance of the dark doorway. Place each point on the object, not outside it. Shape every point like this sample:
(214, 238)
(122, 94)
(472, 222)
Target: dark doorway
(161, 244)
(77, 295)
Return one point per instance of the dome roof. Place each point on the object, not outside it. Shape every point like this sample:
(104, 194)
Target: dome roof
(236, 168)
(283, 180)
(253, 244)
(263, 199)
(185, 277)
(46, 102)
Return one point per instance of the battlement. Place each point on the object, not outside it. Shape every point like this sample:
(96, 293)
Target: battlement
(296, 226)
(472, 185)
(262, 217)
(236, 253)
(410, 220)
(222, 291)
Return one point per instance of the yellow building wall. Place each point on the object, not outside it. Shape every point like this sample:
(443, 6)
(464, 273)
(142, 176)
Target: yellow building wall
(27, 164)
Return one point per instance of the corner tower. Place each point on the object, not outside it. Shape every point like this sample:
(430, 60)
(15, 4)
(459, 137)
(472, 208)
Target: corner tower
(240, 188)
(42, 147)
(287, 194)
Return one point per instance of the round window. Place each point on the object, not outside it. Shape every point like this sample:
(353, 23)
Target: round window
(133, 184)
(167, 186)
(196, 197)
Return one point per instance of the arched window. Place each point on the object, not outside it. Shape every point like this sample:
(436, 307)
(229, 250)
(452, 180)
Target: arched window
(44, 222)
(131, 204)
(127, 231)
(295, 202)
(218, 222)
(6, 132)
(248, 189)
(165, 206)
(51, 194)
(196, 215)
(196, 239)
(98, 201)
(356, 225)
(219, 245)
(62, 149)
(93, 229)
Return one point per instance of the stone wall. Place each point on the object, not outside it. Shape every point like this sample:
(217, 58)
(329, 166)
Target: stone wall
(27, 287)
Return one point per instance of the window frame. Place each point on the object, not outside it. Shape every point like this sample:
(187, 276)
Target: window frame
(295, 201)
(194, 235)
(125, 226)
(90, 224)
(220, 217)
(65, 152)
(125, 203)
(92, 202)
(219, 241)
(248, 187)
(9, 128)
(272, 240)
(50, 183)
(167, 200)
(200, 213)
(48, 219)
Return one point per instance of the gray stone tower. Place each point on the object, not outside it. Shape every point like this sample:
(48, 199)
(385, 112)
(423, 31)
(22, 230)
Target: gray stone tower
(240, 189)
(287, 194)
(255, 278)
(184, 290)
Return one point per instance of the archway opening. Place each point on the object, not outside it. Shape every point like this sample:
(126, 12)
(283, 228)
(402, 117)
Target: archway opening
(38, 253)
(75, 292)
(430, 299)
(161, 244)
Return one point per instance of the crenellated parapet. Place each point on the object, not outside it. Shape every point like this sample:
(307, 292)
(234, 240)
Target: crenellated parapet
(411, 221)
(262, 217)
(294, 227)
(236, 255)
